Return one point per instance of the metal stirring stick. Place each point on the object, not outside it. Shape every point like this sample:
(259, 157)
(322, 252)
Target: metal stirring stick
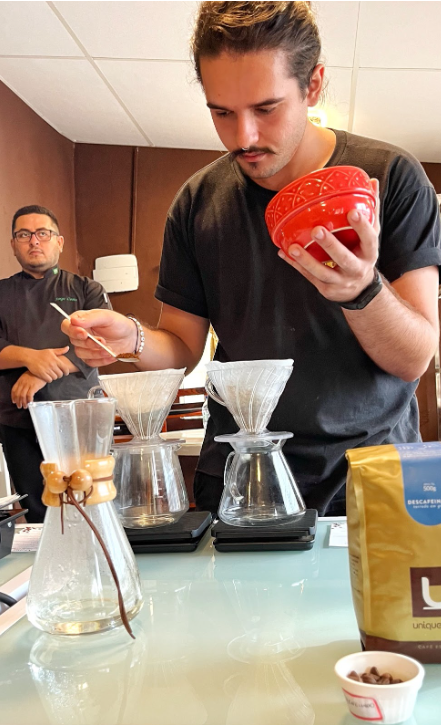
(92, 337)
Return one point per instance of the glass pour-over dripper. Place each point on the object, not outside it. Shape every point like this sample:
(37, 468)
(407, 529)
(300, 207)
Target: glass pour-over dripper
(259, 489)
(148, 476)
(72, 589)
(144, 398)
(249, 389)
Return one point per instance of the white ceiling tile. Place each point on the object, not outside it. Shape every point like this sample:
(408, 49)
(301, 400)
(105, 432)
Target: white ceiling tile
(152, 30)
(31, 28)
(165, 100)
(337, 23)
(336, 102)
(70, 95)
(400, 35)
(402, 107)
(169, 106)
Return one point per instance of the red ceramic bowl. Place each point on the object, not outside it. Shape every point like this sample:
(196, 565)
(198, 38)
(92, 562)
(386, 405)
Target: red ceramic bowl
(331, 213)
(322, 198)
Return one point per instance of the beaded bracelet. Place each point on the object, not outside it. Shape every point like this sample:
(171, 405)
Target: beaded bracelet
(140, 337)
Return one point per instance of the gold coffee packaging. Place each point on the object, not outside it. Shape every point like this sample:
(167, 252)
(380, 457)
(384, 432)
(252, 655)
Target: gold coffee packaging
(394, 536)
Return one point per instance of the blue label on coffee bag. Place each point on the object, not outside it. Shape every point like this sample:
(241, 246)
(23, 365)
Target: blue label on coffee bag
(421, 469)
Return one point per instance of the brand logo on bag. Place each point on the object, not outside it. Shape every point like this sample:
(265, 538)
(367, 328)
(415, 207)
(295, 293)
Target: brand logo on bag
(425, 585)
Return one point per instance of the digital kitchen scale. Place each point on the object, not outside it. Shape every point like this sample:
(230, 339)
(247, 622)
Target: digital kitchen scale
(184, 535)
(299, 535)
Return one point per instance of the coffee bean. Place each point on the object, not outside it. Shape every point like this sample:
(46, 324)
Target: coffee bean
(373, 677)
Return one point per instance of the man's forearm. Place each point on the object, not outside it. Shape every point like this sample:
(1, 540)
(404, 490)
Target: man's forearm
(163, 350)
(72, 367)
(177, 342)
(397, 338)
(14, 356)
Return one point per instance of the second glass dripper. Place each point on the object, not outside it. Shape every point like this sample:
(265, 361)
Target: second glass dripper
(249, 389)
(148, 476)
(259, 487)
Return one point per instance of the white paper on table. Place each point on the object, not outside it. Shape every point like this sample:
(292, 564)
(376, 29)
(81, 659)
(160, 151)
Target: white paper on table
(26, 537)
(338, 535)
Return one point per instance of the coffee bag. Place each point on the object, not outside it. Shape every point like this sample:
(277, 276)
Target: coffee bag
(394, 536)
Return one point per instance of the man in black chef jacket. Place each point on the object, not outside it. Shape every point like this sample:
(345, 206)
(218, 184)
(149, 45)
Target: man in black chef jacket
(35, 361)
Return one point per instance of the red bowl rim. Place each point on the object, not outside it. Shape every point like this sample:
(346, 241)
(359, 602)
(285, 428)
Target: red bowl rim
(312, 174)
(298, 209)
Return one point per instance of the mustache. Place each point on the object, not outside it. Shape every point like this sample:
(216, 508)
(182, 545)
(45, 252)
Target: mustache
(251, 150)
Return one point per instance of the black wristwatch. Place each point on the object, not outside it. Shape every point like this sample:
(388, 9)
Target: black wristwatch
(366, 296)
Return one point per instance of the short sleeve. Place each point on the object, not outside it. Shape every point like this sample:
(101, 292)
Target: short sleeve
(95, 296)
(180, 284)
(411, 234)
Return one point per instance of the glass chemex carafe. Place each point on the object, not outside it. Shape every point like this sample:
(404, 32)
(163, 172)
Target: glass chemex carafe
(148, 476)
(84, 578)
(259, 489)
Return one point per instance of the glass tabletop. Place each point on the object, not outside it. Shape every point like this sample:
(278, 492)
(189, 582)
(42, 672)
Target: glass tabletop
(222, 639)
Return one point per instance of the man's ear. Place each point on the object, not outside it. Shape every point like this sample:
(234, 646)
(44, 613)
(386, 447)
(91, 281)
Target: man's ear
(61, 243)
(13, 248)
(316, 85)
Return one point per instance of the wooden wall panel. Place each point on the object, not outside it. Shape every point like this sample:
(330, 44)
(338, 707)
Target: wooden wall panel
(36, 167)
(161, 173)
(103, 187)
(426, 394)
(122, 198)
(433, 171)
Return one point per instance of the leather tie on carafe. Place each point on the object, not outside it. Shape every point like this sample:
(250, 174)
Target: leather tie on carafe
(95, 480)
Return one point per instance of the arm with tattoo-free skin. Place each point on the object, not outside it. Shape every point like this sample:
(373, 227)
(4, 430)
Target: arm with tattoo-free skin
(27, 385)
(44, 366)
(48, 364)
(177, 342)
(399, 328)
(24, 389)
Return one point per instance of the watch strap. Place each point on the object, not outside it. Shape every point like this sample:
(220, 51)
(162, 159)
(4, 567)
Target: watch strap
(366, 296)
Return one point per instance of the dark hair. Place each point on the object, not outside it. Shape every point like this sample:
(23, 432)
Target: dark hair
(247, 27)
(34, 209)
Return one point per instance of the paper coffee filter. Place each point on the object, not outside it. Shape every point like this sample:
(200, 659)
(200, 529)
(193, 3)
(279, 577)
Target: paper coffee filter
(215, 365)
(144, 398)
(250, 389)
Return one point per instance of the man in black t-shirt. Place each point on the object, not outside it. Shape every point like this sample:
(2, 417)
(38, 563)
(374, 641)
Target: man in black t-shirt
(35, 362)
(361, 333)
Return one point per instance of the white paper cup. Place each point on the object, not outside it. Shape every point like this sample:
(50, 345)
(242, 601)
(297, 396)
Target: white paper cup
(386, 704)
